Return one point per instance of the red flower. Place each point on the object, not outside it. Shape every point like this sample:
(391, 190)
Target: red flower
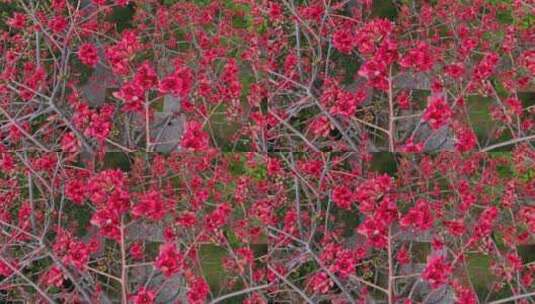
(468, 198)
(151, 205)
(88, 54)
(58, 5)
(275, 11)
(75, 191)
(344, 263)
(313, 11)
(198, 291)
(5, 270)
(528, 60)
(464, 295)
(485, 68)
(169, 260)
(146, 76)
(437, 271)
(437, 113)
(515, 104)
(320, 283)
(107, 189)
(466, 139)
(343, 40)
(514, 261)
(187, 219)
(412, 147)
(485, 222)
(194, 138)
(53, 277)
(218, 217)
(418, 216)
(419, 58)
(455, 70)
(136, 251)
(403, 100)
(320, 126)
(179, 83)
(455, 227)
(527, 214)
(245, 254)
(118, 59)
(69, 143)
(133, 96)
(230, 87)
(144, 296)
(375, 231)
(403, 256)
(368, 193)
(100, 123)
(107, 220)
(70, 250)
(18, 21)
(375, 70)
(58, 24)
(342, 197)
(337, 100)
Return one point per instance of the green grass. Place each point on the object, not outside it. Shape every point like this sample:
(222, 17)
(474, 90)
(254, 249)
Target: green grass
(384, 9)
(122, 17)
(527, 253)
(117, 160)
(211, 258)
(384, 162)
(211, 261)
(479, 274)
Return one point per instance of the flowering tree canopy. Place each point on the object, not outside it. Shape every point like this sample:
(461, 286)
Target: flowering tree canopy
(267, 151)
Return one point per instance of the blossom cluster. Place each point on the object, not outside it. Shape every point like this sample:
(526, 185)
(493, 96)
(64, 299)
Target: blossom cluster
(257, 152)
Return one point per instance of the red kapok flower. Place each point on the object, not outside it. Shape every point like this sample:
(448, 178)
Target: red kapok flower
(53, 277)
(69, 143)
(146, 76)
(485, 222)
(58, 23)
(136, 251)
(437, 113)
(218, 217)
(198, 291)
(179, 83)
(343, 40)
(485, 68)
(342, 197)
(144, 296)
(169, 261)
(375, 231)
(403, 100)
(437, 271)
(455, 227)
(466, 139)
(403, 256)
(194, 138)
(419, 216)
(320, 283)
(18, 21)
(151, 205)
(419, 58)
(107, 220)
(455, 70)
(88, 54)
(528, 60)
(133, 95)
(75, 191)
